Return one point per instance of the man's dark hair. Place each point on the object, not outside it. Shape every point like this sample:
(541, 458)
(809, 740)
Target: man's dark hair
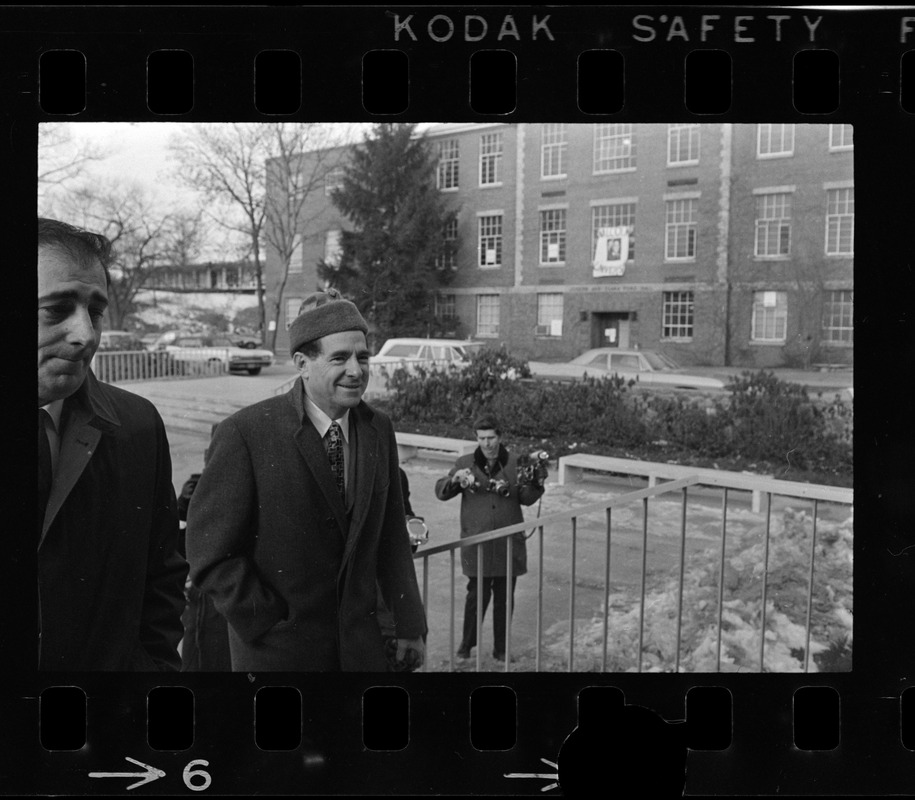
(311, 349)
(85, 246)
(487, 422)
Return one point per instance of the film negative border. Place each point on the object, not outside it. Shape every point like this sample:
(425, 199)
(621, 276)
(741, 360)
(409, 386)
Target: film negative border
(570, 732)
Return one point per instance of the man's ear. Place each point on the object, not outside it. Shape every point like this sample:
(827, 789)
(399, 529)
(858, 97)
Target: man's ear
(301, 363)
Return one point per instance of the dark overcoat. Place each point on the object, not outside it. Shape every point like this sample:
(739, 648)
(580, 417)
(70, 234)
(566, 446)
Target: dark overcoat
(483, 511)
(290, 565)
(110, 578)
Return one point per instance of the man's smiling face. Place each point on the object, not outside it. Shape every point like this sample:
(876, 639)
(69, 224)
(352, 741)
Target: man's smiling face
(337, 377)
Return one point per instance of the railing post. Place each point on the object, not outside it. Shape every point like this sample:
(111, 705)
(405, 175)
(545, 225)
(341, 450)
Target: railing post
(765, 578)
(682, 573)
(479, 604)
(539, 598)
(572, 596)
(451, 615)
(644, 574)
(724, 530)
(425, 596)
(603, 663)
(813, 544)
(509, 599)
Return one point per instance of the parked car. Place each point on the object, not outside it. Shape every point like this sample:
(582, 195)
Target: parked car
(121, 356)
(251, 342)
(120, 341)
(647, 367)
(443, 352)
(204, 349)
(149, 340)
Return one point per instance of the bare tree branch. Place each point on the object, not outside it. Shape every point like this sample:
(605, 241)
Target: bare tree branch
(250, 175)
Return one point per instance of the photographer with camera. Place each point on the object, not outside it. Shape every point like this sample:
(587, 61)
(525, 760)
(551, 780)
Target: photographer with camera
(493, 485)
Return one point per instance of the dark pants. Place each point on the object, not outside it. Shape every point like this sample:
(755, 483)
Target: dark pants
(496, 586)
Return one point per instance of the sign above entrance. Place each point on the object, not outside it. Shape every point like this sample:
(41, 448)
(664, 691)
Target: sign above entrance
(611, 251)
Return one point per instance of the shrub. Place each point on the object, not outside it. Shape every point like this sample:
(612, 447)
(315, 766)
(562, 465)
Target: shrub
(763, 423)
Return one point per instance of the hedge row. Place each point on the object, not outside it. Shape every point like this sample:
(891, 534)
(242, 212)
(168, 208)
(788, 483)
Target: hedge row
(762, 423)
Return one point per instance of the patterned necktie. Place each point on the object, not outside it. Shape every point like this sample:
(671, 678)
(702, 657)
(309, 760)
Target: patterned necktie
(335, 454)
(45, 469)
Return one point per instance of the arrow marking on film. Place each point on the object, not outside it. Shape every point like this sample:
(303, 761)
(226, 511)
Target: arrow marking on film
(151, 774)
(547, 776)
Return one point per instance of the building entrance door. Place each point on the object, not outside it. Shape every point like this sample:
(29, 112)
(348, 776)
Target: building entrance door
(610, 329)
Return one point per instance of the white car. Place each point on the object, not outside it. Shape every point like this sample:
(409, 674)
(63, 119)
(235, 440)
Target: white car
(647, 367)
(211, 349)
(441, 352)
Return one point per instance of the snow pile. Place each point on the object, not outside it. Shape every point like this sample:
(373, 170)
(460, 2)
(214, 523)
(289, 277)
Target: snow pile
(786, 607)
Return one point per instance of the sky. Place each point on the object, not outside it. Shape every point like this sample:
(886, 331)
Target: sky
(138, 152)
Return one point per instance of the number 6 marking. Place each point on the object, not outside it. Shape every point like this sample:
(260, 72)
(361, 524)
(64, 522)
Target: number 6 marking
(189, 774)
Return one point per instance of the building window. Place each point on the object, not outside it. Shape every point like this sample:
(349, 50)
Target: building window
(491, 159)
(333, 247)
(490, 241)
(447, 259)
(677, 317)
(553, 236)
(770, 317)
(292, 310)
(488, 315)
(682, 144)
(444, 307)
(614, 215)
(296, 258)
(449, 159)
(553, 150)
(840, 222)
(681, 230)
(549, 314)
(838, 313)
(773, 224)
(614, 148)
(775, 140)
(333, 180)
(840, 137)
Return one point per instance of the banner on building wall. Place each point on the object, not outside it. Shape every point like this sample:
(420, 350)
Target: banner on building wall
(611, 251)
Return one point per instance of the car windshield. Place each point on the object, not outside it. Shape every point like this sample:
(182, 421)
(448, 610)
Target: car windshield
(660, 361)
(402, 351)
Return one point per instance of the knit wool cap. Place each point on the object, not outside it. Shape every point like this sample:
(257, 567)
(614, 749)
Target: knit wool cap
(321, 314)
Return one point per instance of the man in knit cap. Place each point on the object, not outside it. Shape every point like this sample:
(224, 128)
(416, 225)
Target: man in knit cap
(298, 516)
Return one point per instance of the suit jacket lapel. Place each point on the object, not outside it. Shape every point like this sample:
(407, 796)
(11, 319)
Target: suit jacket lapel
(315, 456)
(365, 455)
(87, 416)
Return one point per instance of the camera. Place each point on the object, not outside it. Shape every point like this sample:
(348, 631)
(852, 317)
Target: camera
(500, 487)
(468, 481)
(532, 467)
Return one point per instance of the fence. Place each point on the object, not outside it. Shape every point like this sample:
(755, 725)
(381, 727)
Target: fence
(117, 366)
(759, 548)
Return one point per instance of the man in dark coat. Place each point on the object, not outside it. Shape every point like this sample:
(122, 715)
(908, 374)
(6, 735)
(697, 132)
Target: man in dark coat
(491, 497)
(110, 578)
(298, 516)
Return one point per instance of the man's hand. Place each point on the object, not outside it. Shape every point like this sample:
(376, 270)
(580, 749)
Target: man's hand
(411, 653)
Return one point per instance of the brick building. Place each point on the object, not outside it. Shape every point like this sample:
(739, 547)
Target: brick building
(716, 243)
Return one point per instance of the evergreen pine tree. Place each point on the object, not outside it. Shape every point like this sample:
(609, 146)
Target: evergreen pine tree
(390, 262)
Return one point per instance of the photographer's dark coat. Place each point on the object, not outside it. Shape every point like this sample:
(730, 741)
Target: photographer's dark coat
(110, 578)
(290, 566)
(483, 511)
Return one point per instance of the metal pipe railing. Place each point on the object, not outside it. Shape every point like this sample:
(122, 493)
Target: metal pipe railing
(570, 520)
